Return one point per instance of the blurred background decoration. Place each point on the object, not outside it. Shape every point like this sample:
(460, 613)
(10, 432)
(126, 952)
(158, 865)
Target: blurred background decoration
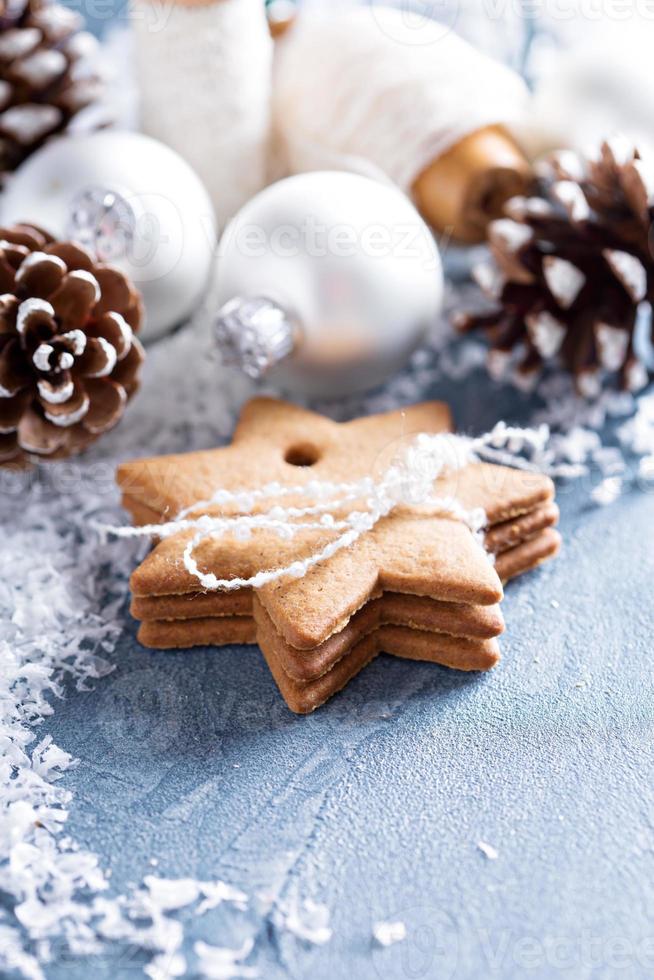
(500, 29)
(408, 102)
(50, 78)
(588, 63)
(451, 101)
(204, 84)
(587, 67)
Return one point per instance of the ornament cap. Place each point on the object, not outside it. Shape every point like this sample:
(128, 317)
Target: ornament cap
(103, 220)
(254, 334)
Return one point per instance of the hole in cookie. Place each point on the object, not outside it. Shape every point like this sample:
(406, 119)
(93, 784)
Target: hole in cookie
(302, 454)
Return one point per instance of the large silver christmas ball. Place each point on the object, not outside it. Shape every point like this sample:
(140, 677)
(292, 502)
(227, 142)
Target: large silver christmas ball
(327, 282)
(133, 202)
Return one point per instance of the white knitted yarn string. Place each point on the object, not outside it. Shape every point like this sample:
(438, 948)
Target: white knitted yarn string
(205, 77)
(408, 481)
(367, 85)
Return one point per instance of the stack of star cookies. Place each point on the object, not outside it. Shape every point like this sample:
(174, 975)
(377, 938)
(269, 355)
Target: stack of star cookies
(418, 586)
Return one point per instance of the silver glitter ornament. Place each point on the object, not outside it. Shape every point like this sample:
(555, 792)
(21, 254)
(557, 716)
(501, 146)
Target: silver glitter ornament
(327, 282)
(131, 201)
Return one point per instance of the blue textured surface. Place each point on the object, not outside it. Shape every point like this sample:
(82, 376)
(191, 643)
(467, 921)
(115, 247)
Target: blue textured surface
(376, 804)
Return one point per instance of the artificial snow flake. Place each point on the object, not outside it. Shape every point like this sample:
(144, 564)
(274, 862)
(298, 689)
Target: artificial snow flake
(168, 894)
(308, 921)
(220, 963)
(14, 958)
(388, 933)
(40, 642)
(637, 434)
(165, 967)
(216, 892)
(488, 850)
(609, 459)
(646, 469)
(636, 375)
(608, 491)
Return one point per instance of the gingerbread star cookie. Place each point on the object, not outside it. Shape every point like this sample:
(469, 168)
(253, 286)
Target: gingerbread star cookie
(322, 628)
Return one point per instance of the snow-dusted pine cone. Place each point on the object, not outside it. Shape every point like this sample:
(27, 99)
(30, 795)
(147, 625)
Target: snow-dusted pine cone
(574, 267)
(69, 360)
(46, 75)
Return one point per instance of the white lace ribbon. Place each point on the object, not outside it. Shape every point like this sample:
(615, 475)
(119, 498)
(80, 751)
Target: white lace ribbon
(408, 481)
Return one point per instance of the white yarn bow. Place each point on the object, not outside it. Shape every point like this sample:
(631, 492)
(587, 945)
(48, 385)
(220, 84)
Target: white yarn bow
(409, 481)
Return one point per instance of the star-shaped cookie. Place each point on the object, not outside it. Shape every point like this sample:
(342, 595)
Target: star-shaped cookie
(415, 552)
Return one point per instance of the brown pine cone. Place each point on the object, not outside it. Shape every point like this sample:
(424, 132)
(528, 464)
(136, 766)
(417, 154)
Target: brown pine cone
(46, 75)
(69, 360)
(573, 268)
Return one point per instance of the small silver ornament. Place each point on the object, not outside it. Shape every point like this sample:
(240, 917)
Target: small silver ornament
(327, 282)
(131, 201)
